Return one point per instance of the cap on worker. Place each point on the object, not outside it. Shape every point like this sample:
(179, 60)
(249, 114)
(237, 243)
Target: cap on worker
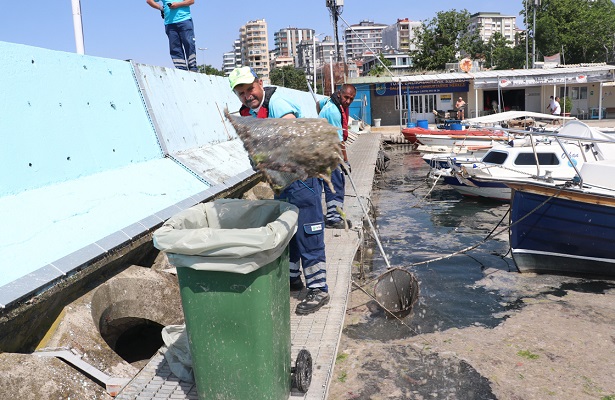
(241, 76)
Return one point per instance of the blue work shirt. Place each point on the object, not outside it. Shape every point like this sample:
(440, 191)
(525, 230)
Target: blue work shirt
(332, 113)
(173, 16)
(279, 107)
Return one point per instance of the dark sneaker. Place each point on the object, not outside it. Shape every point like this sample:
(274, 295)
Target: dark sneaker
(314, 300)
(338, 225)
(296, 285)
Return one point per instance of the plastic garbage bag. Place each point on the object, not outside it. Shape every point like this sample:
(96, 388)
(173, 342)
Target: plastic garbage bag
(229, 235)
(177, 352)
(288, 149)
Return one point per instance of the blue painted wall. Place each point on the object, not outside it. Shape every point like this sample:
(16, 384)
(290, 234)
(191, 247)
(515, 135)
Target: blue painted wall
(98, 151)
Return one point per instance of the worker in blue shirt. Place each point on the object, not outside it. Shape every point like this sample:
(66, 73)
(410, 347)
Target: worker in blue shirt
(307, 246)
(179, 28)
(335, 110)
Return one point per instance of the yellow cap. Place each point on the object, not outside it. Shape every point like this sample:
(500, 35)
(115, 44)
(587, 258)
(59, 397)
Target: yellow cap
(241, 76)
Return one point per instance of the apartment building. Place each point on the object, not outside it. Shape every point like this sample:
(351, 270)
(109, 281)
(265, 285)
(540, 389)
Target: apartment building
(232, 59)
(255, 47)
(488, 23)
(286, 41)
(399, 36)
(363, 38)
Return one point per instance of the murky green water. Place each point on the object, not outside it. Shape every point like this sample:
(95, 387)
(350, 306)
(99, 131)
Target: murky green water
(418, 221)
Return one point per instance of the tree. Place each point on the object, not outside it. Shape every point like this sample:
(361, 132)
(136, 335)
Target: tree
(209, 70)
(500, 55)
(290, 77)
(379, 69)
(582, 29)
(444, 39)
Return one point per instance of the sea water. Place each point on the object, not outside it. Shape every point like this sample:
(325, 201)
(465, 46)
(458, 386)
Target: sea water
(422, 226)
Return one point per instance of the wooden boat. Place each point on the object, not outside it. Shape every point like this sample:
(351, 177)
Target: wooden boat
(567, 227)
(434, 137)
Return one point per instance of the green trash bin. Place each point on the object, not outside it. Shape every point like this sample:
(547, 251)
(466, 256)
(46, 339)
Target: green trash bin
(232, 266)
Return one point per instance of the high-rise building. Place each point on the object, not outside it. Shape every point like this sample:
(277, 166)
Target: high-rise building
(488, 23)
(363, 38)
(255, 47)
(287, 39)
(232, 59)
(399, 36)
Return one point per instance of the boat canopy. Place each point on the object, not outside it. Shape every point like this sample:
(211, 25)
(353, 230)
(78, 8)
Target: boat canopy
(508, 115)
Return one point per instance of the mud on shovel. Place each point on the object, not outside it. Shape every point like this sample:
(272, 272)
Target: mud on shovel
(396, 290)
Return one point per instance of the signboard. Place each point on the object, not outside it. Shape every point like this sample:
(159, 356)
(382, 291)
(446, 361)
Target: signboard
(540, 80)
(447, 86)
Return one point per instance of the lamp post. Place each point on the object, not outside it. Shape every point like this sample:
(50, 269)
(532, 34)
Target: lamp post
(331, 70)
(536, 4)
(203, 55)
(314, 54)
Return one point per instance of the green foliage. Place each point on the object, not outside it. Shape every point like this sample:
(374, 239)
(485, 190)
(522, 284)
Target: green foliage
(342, 377)
(379, 69)
(442, 38)
(583, 29)
(290, 77)
(566, 104)
(527, 354)
(209, 70)
(501, 56)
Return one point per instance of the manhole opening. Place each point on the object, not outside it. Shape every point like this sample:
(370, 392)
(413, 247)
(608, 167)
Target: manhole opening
(134, 339)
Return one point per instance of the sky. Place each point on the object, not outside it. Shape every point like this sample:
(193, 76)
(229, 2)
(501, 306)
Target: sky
(131, 29)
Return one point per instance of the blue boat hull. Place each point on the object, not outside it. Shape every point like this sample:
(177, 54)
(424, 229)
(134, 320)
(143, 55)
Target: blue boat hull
(573, 236)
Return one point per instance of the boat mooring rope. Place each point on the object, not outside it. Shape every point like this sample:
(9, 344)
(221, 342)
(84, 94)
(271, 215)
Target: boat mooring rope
(490, 235)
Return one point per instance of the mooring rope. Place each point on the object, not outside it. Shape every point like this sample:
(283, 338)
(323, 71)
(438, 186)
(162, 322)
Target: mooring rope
(489, 235)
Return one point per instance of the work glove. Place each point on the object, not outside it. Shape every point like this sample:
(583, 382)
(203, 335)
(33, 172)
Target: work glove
(346, 168)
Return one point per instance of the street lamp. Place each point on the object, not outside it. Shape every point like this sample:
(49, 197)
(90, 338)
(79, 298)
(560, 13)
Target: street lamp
(331, 70)
(203, 54)
(314, 54)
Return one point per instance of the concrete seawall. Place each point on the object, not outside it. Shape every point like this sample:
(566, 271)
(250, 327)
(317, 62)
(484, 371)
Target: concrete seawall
(98, 153)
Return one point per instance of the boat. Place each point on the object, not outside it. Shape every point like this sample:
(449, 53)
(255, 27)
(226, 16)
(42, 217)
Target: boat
(542, 157)
(451, 137)
(481, 132)
(567, 227)
(520, 119)
(512, 161)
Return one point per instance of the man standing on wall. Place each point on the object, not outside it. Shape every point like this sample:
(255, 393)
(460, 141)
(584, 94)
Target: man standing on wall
(335, 110)
(307, 246)
(180, 31)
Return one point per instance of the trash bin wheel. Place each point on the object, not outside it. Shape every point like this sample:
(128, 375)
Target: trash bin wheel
(303, 371)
